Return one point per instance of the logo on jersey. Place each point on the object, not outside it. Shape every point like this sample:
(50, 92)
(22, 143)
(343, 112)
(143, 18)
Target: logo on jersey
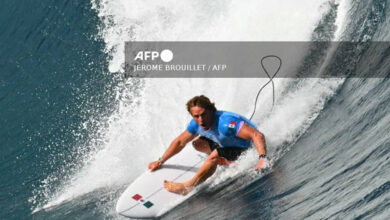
(232, 125)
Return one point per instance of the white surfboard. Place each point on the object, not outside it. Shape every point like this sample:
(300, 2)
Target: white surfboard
(146, 197)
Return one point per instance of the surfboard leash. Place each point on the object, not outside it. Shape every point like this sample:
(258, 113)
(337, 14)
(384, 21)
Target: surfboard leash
(270, 81)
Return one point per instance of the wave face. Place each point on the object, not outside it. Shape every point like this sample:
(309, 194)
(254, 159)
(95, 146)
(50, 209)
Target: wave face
(92, 132)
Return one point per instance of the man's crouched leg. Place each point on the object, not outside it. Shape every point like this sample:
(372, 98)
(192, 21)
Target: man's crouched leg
(206, 145)
(204, 172)
(202, 145)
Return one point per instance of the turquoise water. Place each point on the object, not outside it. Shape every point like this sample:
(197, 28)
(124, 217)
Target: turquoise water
(52, 73)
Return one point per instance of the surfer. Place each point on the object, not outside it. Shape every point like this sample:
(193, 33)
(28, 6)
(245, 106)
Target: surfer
(223, 135)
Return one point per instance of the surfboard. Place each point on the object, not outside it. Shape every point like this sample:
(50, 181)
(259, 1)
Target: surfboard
(146, 197)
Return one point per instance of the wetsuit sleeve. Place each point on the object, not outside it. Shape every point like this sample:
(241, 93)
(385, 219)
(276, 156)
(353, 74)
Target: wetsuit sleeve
(192, 127)
(230, 126)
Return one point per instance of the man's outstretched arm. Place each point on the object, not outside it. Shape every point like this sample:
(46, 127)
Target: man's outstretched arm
(249, 133)
(175, 147)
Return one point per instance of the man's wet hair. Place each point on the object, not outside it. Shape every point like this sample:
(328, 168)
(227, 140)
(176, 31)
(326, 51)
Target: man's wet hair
(201, 101)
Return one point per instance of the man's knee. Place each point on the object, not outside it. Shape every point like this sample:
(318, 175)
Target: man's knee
(199, 144)
(195, 143)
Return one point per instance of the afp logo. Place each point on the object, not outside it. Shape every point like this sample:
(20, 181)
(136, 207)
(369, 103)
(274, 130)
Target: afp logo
(165, 55)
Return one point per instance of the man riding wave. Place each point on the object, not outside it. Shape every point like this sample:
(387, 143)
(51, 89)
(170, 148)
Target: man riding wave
(223, 135)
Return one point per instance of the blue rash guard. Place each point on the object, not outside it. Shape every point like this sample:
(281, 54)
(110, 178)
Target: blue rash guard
(224, 130)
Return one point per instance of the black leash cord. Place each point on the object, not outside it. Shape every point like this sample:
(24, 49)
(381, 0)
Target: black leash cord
(270, 81)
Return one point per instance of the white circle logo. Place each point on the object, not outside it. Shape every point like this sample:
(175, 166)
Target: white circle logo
(166, 55)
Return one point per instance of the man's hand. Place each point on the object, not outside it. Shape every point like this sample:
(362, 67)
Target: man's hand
(155, 165)
(175, 147)
(263, 163)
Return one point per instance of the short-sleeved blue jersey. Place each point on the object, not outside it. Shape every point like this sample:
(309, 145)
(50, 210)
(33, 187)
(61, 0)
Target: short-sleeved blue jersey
(224, 130)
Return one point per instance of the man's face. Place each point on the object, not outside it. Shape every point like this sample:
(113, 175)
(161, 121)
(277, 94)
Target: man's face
(204, 118)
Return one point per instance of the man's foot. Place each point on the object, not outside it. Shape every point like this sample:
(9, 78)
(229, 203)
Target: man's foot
(178, 188)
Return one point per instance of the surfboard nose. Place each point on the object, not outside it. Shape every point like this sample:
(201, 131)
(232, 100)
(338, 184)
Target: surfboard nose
(146, 197)
(121, 205)
(134, 205)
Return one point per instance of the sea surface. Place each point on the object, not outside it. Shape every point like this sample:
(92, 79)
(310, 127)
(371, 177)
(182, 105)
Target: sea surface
(75, 132)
